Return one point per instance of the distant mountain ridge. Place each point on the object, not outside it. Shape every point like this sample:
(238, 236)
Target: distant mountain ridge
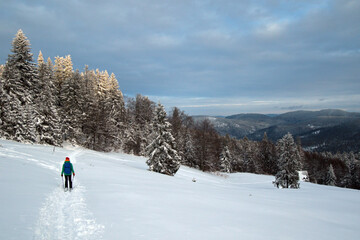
(324, 130)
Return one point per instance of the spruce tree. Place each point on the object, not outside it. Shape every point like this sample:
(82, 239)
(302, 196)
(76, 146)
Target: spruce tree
(352, 177)
(143, 128)
(49, 128)
(63, 72)
(178, 130)
(289, 162)
(20, 86)
(225, 160)
(70, 112)
(2, 107)
(176, 124)
(208, 146)
(2, 67)
(115, 110)
(101, 117)
(267, 156)
(189, 150)
(248, 156)
(330, 178)
(163, 157)
(89, 119)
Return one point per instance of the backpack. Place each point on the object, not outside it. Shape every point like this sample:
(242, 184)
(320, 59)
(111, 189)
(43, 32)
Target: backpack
(67, 168)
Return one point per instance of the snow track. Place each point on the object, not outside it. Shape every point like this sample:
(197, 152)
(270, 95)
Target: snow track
(64, 215)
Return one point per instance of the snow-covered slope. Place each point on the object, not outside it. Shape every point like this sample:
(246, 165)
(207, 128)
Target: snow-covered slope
(115, 197)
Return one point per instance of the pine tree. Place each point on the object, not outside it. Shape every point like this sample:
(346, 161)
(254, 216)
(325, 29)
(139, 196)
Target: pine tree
(207, 146)
(178, 131)
(115, 110)
(352, 177)
(102, 116)
(163, 157)
(248, 156)
(237, 153)
(143, 128)
(176, 122)
(63, 72)
(48, 130)
(129, 137)
(90, 119)
(225, 160)
(267, 156)
(19, 86)
(289, 162)
(2, 67)
(59, 77)
(103, 81)
(2, 107)
(189, 151)
(129, 132)
(70, 111)
(330, 178)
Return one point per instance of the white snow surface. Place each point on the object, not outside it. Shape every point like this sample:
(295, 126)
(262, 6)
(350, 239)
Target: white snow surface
(116, 197)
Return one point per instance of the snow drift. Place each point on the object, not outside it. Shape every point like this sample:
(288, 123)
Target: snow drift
(116, 197)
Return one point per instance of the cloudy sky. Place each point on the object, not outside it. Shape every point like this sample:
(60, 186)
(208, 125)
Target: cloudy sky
(205, 56)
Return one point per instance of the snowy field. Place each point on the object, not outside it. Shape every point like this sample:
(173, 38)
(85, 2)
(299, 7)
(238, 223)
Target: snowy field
(115, 197)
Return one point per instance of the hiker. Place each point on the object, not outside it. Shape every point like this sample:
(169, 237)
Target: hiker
(67, 169)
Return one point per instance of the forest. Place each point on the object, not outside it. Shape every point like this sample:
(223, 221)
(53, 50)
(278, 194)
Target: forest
(48, 102)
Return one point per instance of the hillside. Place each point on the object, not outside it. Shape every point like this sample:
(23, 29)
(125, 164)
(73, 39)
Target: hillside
(301, 124)
(344, 137)
(115, 197)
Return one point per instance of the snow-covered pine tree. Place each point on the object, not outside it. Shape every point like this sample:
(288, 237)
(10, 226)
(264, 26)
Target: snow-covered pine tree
(248, 156)
(129, 140)
(237, 154)
(267, 156)
(2, 102)
(330, 178)
(2, 67)
(129, 123)
(208, 146)
(189, 150)
(102, 139)
(90, 117)
(352, 177)
(63, 71)
(20, 86)
(49, 129)
(225, 160)
(60, 77)
(178, 130)
(176, 119)
(163, 157)
(70, 111)
(143, 114)
(289, 162)
(115, 109)
(346, 179)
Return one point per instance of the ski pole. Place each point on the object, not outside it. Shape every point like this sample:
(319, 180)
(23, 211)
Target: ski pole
(62, 179)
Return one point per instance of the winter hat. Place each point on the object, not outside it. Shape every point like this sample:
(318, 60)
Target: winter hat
(67, 159)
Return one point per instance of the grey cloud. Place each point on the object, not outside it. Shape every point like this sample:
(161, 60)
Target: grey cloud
(293, 107)
(200, 48)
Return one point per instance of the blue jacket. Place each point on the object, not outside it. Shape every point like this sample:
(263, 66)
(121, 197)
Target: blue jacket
(65, 169)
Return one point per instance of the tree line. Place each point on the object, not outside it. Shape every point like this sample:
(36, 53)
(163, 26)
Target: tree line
(50, 103)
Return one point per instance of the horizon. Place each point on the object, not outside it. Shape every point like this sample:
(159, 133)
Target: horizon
(206, 58)
(272, 114)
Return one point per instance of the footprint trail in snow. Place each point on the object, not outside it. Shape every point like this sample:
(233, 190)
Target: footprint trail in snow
(64, 215)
